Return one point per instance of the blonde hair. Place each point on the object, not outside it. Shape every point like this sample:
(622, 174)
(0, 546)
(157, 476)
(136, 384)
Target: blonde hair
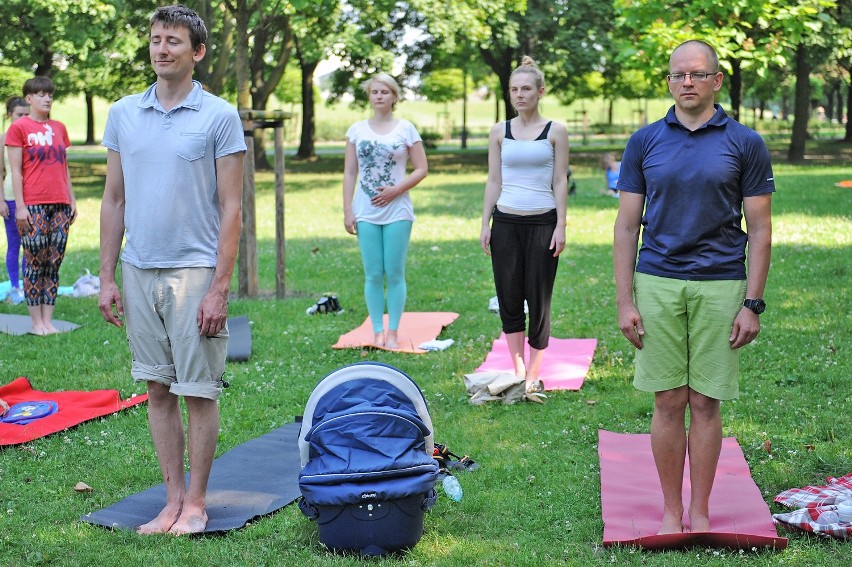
(384, 79)
(528, 66)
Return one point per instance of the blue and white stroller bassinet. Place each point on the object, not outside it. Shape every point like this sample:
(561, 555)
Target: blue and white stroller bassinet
(366, 444)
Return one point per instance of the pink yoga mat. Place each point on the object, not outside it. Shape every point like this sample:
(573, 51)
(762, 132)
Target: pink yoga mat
(565, 365)
(415, 328)
(631, 499)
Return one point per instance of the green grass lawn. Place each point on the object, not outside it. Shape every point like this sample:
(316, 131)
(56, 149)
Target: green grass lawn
(536, 499)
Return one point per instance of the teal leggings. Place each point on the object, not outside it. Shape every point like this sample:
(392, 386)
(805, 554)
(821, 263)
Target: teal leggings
(384, 248)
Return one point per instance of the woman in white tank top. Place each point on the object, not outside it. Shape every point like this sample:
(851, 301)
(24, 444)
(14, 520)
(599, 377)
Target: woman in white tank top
(523, 219)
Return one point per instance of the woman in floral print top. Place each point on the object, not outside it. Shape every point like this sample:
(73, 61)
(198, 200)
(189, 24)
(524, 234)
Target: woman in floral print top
(376, 204)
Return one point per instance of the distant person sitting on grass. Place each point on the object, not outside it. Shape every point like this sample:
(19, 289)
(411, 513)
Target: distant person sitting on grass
(377, 205)
(45, 206)
(611, 169)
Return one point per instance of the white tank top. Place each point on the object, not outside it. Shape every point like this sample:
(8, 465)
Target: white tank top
(527, 172)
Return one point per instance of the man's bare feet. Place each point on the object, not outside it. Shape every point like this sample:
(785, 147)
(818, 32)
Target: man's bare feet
(379, 339)
(162, 523)
(699, 523)
(392, 340)
(672, 524)
(190, 523)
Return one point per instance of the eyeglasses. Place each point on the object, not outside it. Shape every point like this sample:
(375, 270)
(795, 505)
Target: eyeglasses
(680, 77)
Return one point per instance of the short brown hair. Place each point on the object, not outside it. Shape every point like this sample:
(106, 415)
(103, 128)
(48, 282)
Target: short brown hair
(37, 85)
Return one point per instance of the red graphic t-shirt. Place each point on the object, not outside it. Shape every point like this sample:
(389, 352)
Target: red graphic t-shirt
(45, 168)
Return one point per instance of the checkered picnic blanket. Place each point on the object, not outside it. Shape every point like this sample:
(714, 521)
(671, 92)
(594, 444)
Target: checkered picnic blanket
(814, 502)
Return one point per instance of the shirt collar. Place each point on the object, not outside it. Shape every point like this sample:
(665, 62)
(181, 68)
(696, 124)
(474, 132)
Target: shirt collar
(719, 117)
(192, 100)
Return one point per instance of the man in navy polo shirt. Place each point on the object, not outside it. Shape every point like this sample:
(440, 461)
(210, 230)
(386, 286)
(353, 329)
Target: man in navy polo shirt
(689, 304)
(173, 193)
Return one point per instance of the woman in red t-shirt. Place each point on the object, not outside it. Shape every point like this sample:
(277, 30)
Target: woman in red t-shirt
(44, 201)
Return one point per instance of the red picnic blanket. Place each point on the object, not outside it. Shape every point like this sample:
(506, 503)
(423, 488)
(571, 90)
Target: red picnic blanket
(75, 407)
(817, 511)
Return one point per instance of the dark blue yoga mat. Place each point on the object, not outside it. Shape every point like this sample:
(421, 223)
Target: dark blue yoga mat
(253, 479)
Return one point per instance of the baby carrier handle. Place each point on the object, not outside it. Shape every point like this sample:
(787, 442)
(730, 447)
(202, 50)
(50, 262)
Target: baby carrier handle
(429, 500)
(308, 509)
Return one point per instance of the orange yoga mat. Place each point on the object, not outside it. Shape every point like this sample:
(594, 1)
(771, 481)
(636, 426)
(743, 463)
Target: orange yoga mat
(75, 407)
(414, 329)
(632, 500)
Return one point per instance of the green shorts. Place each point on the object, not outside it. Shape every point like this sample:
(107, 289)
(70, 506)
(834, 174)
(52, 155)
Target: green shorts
(687, 327)
(161, 311)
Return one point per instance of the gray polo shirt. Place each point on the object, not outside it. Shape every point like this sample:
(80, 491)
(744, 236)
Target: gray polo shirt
(171, 214)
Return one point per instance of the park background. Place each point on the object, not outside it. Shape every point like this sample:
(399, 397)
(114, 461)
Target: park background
(536, 499)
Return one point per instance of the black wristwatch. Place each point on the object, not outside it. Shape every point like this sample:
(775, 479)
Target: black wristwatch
(756, 305)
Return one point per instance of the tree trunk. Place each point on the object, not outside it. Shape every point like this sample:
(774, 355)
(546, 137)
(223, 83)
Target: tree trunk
(464, 109)
(802, 106)
(307, 143)
(736, 88)
(90, 118)
(848, 137)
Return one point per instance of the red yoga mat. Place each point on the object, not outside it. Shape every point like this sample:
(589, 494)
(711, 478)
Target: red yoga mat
(415, 328)
(632, 500)
(75, 407)
(565, 365)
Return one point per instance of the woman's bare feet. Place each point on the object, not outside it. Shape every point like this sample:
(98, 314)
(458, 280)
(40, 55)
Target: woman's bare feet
(392, 340)
(162, 523)
(379, 339)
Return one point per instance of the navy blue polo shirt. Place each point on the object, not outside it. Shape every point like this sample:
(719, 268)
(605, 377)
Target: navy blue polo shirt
(694, 183)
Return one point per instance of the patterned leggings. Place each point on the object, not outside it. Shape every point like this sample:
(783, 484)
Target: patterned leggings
(44, 246)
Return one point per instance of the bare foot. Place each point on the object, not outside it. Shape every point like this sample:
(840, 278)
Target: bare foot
(162, 523)
(672, 524)
(40, 331)
(50, 329)
(393, 340)
(189, 523)
(699, 523)
(379, 339)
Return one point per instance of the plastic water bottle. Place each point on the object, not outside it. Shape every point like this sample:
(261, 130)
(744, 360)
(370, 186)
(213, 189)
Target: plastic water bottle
(844, 511)
(452, 488)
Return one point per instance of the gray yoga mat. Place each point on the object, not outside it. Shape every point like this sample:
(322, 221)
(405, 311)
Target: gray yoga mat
(253, 479)
(239, 342)
(22, 324)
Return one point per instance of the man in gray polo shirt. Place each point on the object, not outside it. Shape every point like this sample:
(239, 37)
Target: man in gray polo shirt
(173, 193)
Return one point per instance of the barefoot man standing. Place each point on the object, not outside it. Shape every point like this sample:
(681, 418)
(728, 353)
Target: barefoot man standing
(173, 193)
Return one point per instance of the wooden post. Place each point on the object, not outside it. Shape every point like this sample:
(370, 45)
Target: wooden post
(248, 235)
(280, 241)
(247, 264)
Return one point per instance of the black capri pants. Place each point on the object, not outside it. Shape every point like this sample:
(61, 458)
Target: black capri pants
(524, 269)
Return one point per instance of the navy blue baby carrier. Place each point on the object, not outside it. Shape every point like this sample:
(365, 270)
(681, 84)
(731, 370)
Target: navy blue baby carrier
(366, 447)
